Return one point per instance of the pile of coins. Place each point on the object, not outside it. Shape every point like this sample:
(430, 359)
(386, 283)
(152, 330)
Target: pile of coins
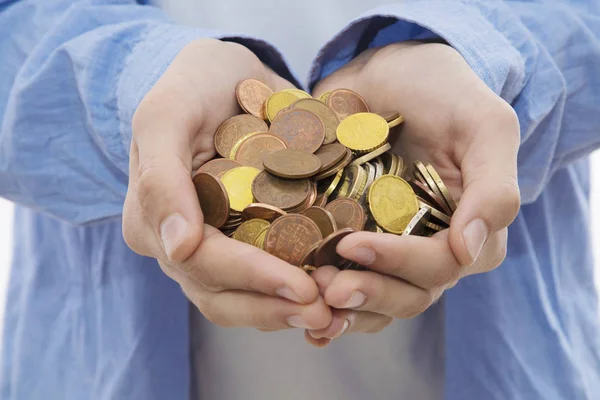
(298, 174)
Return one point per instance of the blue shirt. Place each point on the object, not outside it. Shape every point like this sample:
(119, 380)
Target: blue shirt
(87, 318)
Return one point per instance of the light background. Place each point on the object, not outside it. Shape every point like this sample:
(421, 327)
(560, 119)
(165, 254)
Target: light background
(6, 227)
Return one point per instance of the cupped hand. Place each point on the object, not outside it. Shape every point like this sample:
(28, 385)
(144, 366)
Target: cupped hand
(471, 136)
(231, 283)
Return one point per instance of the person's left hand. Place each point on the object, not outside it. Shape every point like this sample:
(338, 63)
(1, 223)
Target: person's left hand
(471, 136)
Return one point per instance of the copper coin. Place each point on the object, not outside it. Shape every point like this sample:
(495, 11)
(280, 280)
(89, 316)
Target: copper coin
(282, 193)
(389, 115)
(300, 129)
(331, 154)
(309, 257)
(254, 149)
(433, 199)
(336, 168)
(326, 253)
(347, 213)
(213, 198)
(218, 166)
(322, 218)
(251, 95)
(290, 237)
(235, 128)
(292, 163)
(306, 204)
(345, 102)
(320, 109)
(262, 211)
(321, 200)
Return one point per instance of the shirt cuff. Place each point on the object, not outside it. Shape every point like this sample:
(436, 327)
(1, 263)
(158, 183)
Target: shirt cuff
(469, 27)
(153, 54)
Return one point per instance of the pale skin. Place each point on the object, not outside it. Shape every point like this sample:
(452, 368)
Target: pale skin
(453, 120)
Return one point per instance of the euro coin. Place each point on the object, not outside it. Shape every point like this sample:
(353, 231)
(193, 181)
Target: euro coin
(392, 203)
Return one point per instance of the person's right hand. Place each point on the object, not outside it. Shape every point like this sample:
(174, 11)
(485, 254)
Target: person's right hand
(231, 283)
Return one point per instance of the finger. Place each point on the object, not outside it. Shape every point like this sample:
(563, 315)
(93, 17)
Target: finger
(245, 309)
(491, 198)
(221, 263)
(165, 191)
(323, 276)
(381, 294)
(316, 342)
(349, 321)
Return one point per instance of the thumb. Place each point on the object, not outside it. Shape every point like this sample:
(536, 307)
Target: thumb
(165, 192)
(491, 199)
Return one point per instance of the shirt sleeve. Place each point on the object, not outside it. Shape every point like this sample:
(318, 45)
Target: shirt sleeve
(72, 73)
(543, 57)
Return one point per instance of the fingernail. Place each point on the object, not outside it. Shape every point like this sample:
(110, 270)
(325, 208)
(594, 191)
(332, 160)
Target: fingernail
(173, 232)
(288, 293)
(475, 234)
(356, 300)
(314, 335)
(296, 321)
(362, 255)
(344, 329)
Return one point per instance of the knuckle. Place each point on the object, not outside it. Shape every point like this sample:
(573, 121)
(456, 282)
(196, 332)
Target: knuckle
(148, 174)
(512, 197)
(420, 304)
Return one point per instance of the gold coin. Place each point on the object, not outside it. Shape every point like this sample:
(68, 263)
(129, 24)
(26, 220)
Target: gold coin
(395, 122)
(334, 183)
(371, 172)
(279, 101)
(248, 231)
(374, 154)
(260, 239)
(357, 178)
(434, 227)
(392, 203)
(300, 94)
(421, 170)
(390, 163)
(440, 184)
(324, 97)
(238, 182)
(363, 131)
(237, 144)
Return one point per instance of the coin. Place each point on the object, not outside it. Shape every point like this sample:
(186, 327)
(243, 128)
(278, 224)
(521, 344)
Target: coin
(417, 223)
(395, 122)
(252, 151)
(310, 200)
(336, 168)
(392, 203)
(441, 186)
(324, 97)
(390, 163)
(330, 154)
(378, 167)
(300, 129)
(422, 173)
(330, 120)
(389, 115)
(374, 154)
(277, 102)
(370, 169)
(238, 182)
(321, 200)
(262, 211)
(401, 168)
(218, 165)
(251, 95)
(292, 164)
(291, 236)
(213, 198)
(345, 102)
(236, 146)
(356, 177)
(326, 253)
(260, 238)
(433, 199)
(363, 132)
(300, 94)
(436, 215)
(322, 218)
(331, 185)
(248, 231)
(308, 259)
(434, 227)
(347, 213)
(235, 128)
(279, 192)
